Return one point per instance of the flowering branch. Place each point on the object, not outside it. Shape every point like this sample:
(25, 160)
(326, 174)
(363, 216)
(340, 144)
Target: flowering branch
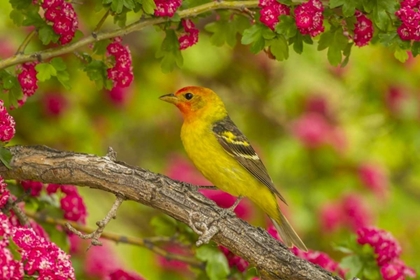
(178, 200)
(96, 234)
(149, 243)
(53, 52)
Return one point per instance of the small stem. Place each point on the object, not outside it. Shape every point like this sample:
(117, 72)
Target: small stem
(25, 43)
(100, 23)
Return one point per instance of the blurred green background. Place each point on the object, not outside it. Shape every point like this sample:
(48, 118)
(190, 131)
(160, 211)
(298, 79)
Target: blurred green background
(315, 126)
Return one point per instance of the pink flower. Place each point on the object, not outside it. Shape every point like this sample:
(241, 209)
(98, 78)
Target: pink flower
(225, 200)
(52, 188)
(309, 18)
(320, 258)
(374, 177)
(34, 187)
(181, 169)
(312, 129)
(74, 208)
(395, 98)
(270, 12)
(409, 15)
(63, 18)
(7, 124)
(330, 217)
(166, 8)
(4, 193)
(118, 95)
(397, 270)
(27, 79)
(122, 71)
(190, 36)
(101, 261)
(233, 260)
(350, 211)
(120, 274)
(41, 256)
(54, 104)
(173, 265)
(363, 30)
(11, 269)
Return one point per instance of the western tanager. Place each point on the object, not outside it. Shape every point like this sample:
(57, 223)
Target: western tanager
(225, 157)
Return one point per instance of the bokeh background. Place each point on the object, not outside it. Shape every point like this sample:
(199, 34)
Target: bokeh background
(341, 144)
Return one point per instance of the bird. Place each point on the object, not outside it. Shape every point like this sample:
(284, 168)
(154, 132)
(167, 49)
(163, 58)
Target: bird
(222, 153)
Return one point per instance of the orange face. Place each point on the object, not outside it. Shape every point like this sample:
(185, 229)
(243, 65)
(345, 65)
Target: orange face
(190, 100)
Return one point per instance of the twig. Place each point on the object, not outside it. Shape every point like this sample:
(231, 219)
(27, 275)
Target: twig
(53, 52)
(23, 219)
(96, 234)
(25, 43)
(149, 243)
(100, 23)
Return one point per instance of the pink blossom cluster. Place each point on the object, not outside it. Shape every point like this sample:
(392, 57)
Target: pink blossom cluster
(33, 187)
(122, 71)
(409, 14)
(374, 177)
(38, 256)
(233, 260)
(120, 274)
(309, 18)
(54, 104)
(316, 257)
(63, 17)
(27, 80)
(4, 193)
(320, 258)
(270, 12)
(190, 36)
(166, 8)
(387, 252)
(7, 124)
(350, 211)
(71, 203)
(363, 30)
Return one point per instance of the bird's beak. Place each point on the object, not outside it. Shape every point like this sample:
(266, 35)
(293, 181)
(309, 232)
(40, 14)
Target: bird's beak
(171, 98)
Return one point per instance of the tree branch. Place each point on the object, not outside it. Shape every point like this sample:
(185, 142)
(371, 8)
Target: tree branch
(192, 12)
(178, 200)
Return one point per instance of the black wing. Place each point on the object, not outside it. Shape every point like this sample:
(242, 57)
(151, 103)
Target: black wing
(238, 146)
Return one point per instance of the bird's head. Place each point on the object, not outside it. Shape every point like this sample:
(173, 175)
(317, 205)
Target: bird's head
(197, 102)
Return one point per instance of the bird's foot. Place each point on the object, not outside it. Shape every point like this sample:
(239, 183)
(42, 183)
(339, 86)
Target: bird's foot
(207, 229)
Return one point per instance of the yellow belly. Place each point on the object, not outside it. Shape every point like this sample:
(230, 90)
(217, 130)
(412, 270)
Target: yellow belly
(223, 170)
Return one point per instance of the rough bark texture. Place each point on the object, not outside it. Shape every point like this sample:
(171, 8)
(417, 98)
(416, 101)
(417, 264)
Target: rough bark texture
(179, 200)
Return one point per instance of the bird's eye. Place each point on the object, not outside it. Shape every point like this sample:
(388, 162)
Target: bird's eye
(188, 95)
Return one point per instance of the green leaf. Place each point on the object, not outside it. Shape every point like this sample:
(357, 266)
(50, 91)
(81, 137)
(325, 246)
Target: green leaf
(415, 48)
(164, 225)
(353, 263)
(17, 17)
(47, 35)
(224, 31)
(325, 40)
(337, 43)
(254, 36)
(100, 46)
(129, 4)
(298, 43)
(117, 6)
(5, 156)
(169, 52)
(20, 4)
(349, 8)
(401, 55)
(279, 48)
(336, 3)
(216, 263)
(33, 18)
(9, 81)
(58, 64)
(287, 27)
(64, 78)
(96, 71)
(149, 6)
(371, 272)
(15, 94)
(45, 71)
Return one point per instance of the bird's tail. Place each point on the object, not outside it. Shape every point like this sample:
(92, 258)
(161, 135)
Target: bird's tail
(287, 233)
